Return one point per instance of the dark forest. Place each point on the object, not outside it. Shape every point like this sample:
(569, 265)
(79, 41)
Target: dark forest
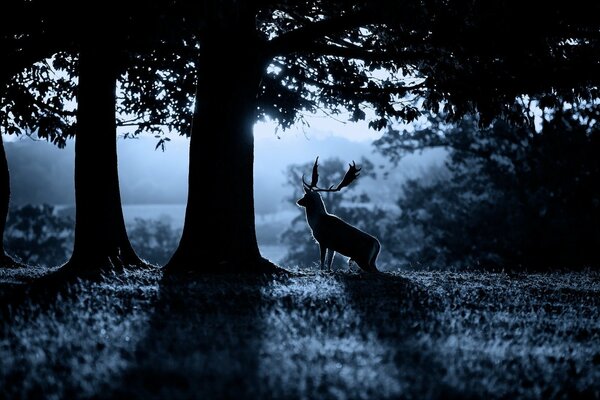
(478, 277)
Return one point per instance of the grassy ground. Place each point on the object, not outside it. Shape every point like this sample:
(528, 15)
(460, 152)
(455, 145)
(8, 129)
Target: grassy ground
(309, 336)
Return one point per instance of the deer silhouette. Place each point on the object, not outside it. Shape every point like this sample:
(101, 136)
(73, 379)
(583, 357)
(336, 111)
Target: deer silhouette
(332, 233)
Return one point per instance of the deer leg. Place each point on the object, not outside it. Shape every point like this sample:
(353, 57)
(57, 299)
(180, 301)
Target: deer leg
(330, 254)
(323, 250)
(373, 257)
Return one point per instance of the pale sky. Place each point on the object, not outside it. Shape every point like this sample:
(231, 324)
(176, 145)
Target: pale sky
(319, 127)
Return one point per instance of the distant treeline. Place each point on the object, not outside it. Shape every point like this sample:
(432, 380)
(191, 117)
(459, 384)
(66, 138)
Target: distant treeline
(508, 197)
(39, 235)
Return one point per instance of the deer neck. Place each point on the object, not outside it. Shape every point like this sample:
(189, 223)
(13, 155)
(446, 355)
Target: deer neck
(314, 215)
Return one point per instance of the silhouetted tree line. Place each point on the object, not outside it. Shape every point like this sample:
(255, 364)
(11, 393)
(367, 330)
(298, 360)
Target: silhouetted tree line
(41, 235)
(506, 198)
(510, 197)
(377, 60)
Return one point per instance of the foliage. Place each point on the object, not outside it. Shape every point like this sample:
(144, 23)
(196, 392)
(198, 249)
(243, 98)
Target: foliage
(37, 235)
(377, 61)
(154, 240)
(374, 60)
(40, 235)
(153, 55)
(354, 207)
(510, 198)
(36, 101)
(388, 59)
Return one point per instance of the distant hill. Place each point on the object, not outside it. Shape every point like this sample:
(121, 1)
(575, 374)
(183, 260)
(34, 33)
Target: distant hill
(42, 173)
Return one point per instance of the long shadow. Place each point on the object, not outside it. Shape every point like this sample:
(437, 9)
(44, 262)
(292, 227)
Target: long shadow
(39, 287)
(203, 340)
(31, 287)
(61, 339)
(402, 315)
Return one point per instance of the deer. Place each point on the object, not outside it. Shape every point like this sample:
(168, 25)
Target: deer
(332, 233)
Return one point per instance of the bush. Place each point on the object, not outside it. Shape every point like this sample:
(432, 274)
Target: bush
(508, 197)
(154, 240)
(37, 235)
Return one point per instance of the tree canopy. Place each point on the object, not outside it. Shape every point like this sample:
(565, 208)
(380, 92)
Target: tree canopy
(398, 58)
(376, 60)
(507, 197)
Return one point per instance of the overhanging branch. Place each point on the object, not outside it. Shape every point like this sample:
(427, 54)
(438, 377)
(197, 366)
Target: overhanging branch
(299, 38)
(363, 54)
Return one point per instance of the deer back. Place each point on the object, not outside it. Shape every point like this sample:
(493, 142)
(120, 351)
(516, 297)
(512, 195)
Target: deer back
(336, 234)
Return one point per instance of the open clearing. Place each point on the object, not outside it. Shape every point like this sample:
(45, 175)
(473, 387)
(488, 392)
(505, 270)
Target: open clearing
(308, 336)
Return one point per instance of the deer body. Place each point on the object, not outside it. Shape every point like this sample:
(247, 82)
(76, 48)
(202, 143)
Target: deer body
(336, 235)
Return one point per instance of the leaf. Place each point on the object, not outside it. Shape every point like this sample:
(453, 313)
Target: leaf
(161, 144)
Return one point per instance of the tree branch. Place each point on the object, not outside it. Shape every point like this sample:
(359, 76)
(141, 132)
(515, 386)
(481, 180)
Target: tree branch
(346, 89)
(299, 38)
(44, 106)
(361, 53)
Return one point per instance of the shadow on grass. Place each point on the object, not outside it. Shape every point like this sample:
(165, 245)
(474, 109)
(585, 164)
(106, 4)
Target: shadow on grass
(70, 339)
(29, 287)
(40, 287)
(202, 340)
(403, 316)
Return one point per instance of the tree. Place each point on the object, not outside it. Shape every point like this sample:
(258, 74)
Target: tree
(98, 57)
(512, 197)
(154, 239)
(37, 235)
(25, 40)
(394, 58)
(387, 56)
(100, 237)
(134, 47)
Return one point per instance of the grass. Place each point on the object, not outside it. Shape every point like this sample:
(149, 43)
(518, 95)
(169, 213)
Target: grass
(308, 336)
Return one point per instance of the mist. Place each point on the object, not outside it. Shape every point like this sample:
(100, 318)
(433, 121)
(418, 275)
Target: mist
(153, 183)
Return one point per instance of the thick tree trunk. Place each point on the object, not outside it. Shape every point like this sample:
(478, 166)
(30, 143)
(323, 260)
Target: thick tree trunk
(219, 231)
(101, 240)
(4, 192)
(5, 260)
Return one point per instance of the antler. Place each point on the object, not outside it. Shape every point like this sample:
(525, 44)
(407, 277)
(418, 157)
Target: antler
(349, 177)
(314, 178)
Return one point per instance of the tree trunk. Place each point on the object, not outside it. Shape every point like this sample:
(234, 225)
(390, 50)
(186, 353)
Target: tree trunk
(219, 231)
(4, 192)
(101, 240)
(5, 260)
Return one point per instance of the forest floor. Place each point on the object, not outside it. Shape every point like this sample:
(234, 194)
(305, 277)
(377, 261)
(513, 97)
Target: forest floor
(431, 335)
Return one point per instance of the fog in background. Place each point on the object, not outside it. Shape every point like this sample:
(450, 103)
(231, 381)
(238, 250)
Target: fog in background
(154, 183)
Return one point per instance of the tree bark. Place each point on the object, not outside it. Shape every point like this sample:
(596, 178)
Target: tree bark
(101, 240)
(219, 229)
(6, 261)
(4, 193)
